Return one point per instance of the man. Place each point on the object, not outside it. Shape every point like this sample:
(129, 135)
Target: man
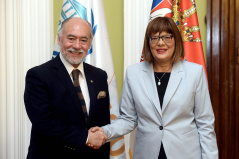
(63, 109)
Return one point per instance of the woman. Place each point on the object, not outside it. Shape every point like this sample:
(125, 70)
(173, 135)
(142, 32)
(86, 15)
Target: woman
(168, 99)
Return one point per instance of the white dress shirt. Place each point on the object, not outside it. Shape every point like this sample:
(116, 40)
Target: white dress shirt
(82, 80)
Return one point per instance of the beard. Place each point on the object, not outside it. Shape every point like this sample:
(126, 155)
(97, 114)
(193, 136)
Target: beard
(74, 60)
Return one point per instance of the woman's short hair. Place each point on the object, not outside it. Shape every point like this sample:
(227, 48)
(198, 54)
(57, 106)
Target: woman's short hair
(163, 24)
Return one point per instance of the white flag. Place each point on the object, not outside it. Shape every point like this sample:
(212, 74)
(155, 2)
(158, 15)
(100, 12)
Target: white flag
(99, 55)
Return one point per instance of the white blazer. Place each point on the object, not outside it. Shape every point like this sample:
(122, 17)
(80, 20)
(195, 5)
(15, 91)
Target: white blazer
(185, 124)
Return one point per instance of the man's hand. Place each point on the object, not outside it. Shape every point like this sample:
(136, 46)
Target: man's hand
(96, 137)
(95, 129)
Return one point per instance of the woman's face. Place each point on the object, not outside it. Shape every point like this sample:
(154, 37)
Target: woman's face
(162, 50)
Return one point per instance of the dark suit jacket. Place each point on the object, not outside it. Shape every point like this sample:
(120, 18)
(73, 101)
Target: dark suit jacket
(59, 130)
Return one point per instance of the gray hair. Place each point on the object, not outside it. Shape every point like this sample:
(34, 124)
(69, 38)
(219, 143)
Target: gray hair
(60, 31)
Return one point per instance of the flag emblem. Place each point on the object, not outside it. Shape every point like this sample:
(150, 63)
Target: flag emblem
(188, 27)
(74, 8)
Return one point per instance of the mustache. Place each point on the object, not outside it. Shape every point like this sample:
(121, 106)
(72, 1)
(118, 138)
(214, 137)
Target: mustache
(74, 51)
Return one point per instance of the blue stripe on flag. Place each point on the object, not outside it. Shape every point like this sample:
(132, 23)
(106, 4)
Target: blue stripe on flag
(156, 3)
(55, 53)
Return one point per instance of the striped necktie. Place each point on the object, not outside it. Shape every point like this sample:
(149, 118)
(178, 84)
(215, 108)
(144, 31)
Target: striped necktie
(75, 74)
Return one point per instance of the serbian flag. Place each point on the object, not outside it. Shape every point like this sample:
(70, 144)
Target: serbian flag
(99, 55)
(184, 14)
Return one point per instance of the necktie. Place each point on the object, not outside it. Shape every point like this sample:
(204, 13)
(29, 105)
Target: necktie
(75, 74)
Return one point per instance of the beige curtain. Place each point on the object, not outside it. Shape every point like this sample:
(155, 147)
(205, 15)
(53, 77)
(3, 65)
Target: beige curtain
(26, 40)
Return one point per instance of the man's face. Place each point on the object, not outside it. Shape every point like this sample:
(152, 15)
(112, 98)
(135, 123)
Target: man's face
(75, 41)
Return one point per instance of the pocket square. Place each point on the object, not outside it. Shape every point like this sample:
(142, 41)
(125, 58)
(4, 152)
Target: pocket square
(102, 94)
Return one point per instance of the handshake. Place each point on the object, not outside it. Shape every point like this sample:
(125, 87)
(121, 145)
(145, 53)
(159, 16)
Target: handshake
(96, 137)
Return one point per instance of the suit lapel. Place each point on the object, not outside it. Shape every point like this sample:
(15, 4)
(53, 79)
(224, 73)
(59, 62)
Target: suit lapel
(173, 83)
(149, 80)
(65, 79)
(91, 88)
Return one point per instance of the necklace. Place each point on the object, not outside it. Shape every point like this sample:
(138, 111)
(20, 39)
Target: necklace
(159, 82)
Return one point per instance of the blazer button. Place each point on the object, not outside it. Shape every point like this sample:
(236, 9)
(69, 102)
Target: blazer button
(161, 128)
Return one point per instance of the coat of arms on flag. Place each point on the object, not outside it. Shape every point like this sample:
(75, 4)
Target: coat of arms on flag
(185, 16)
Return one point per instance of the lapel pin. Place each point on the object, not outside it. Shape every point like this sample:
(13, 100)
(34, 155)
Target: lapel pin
(91, 81)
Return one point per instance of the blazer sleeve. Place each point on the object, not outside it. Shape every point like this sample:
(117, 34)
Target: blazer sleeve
(204, 118)
(127, 120)
(37, 99)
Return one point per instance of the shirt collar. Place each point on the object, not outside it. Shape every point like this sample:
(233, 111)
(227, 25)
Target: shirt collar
(70, 68)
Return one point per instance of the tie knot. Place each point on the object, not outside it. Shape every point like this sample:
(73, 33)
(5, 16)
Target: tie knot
(75, 74)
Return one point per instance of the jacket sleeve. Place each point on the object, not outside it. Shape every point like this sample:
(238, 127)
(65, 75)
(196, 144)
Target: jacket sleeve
(127, 121)
(204, 118)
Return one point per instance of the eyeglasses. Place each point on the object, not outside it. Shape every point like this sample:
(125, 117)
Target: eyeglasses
(166, 38)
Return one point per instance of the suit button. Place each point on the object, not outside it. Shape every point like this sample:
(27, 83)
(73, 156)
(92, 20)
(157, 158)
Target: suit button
(161, 128)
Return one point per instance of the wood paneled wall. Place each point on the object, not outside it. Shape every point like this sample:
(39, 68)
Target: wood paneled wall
(223, 73)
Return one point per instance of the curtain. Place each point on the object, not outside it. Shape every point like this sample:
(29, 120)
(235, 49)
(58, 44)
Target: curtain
(26, 40)
(136, 18)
